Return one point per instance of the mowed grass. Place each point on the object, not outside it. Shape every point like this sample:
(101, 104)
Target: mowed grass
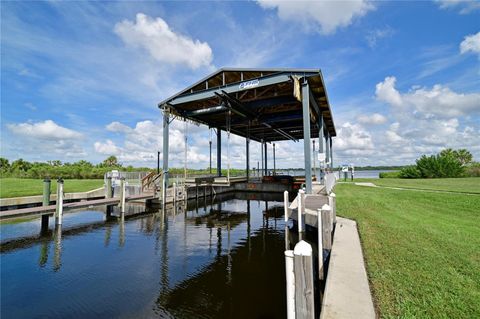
(422, 249)
(464, 185)
(16, 187)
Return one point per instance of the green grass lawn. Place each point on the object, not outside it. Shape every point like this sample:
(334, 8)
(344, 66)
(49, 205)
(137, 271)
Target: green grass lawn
(468, 185)
(16, 187)
(422, 249)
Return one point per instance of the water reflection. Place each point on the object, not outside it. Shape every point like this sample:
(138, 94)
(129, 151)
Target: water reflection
(205, 258)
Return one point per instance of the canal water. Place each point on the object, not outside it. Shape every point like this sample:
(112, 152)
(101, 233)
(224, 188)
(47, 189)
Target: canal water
(220, 258)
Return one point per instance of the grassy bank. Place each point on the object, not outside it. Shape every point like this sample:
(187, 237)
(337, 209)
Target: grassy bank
(466, 185)
(421, 248)
(16, 187)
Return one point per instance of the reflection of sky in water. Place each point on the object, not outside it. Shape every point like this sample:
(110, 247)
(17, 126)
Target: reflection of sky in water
(118, 269)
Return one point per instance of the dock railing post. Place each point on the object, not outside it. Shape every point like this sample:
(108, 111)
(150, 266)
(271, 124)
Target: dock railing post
(285, 203)
(45, 202)
(326, 227)
(59, 207)
(109, 193)
(332, 198)
(122, 194)
(290, 279)
(300, 210)
(320, 244)
(303, 268)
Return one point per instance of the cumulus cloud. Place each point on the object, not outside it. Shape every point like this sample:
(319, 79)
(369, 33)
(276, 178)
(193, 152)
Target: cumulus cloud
(374, 119)
(47, 130)
(118, 127)
(464, 6)
(353, 139)
(162, 43)
(323, 16)
(439, 100)
(471, 43)
(107, 148)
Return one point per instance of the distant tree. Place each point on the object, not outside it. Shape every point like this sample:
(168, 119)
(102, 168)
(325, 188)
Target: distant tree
(83, 163)
(461, 155)
(4, 164)
(111, 161)
(55, 163)
(21, 165)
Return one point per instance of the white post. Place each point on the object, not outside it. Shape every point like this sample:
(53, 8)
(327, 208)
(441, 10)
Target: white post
(300, 208)
(303, 267)
(332, 199)
(174, 193)
(285, 203)
(326, 228)
(59, 207)
(320, 244)
(290, 276)
(122, 194)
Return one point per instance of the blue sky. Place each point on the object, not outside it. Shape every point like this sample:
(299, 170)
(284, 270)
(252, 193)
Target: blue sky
(81, 80)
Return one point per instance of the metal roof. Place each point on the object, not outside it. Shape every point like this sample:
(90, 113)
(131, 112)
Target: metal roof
(261, 103)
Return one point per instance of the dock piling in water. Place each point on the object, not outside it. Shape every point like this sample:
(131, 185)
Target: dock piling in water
(59, 207)
(300, 210)
(45, 202)
(290, 276)
(304, 292)
(122, 194)
(285, 203)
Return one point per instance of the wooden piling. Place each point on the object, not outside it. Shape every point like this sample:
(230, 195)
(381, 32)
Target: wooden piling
(290, 276)
(326, 227)
(59, 207)
(45, 202)
(332, 201)
(303, 268)
(300, 209)
(320, 245)
(122, 194)
(109, 190)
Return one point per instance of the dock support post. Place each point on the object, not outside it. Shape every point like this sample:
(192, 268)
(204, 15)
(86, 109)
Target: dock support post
(247, 146)
(285, 204)
(326, 227)
(45, 202)
(306, 136)
(331, 151)
(314, 160)
(332, 198)
(109, 193)
(320, 244)
(300, 210)
(122, 194)
(263, 161)
(274, 161)
(290, 276)
(219, 152)
(321, 148)
(303, 267)
(166, 124)
(327, 150)
(265, 154)
(59, 208)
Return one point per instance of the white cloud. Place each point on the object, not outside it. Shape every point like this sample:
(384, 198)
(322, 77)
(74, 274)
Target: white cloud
(107, 148)
(375, 35)
(465, 6)
(471, 43)
(374, 118)
(47, 130)
(163, 44)
(353, 139)
(118, 127)
(439, 100)
(323, 16)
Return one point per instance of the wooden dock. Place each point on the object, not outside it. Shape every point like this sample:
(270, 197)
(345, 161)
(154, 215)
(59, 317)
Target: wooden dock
(47, 210)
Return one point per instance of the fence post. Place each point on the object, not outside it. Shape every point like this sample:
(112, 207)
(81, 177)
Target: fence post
(326, 227)
(122, 194)
(285, 203)
(303, 267)
(320, 244)
(290, 278)
(300, 209)
(59, 207)
(109, 193)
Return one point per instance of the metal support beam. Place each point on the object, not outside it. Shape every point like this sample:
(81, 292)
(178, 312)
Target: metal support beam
(263, 162)
(331, 151)
(247, 145)
(265, 153)
(327, 149)
(274, 161)
(321, 143)
(306, 136)
(166, 125)
(219, 152)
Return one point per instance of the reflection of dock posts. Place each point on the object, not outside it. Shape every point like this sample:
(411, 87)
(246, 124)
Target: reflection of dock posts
(57, 252)
(121, 237)
(248, 229)
(122, 195)
(219, 241)
(44, 248)
(108, 234)
(303, 268)
(229, 257)
(45, 202)
(59, 208)
(326, 227)
(290, 276)
(320, 244)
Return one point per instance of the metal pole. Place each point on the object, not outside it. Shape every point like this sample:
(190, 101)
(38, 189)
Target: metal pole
(247, 142)
(263, 162)
(158, 162)
(265, 147)
(331, 151)
(59, 208)
(306, 136)
(210, 144)
(166, 124)
(274, 161)
(314, 160)
(321, 143)
(219, 152)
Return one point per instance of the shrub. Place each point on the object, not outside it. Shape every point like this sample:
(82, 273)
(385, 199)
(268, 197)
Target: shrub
(473, 170)
(410, 172)
(389, 174)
